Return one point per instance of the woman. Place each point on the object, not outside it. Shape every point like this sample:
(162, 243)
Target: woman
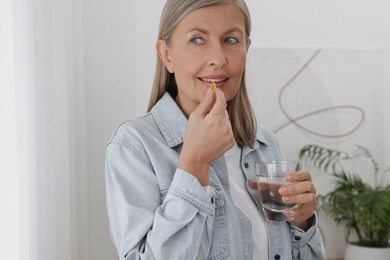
(176, 177)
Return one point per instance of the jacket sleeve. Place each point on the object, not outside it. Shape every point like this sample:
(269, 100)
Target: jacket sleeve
(307, 245)
(146, 223)
(304, 245)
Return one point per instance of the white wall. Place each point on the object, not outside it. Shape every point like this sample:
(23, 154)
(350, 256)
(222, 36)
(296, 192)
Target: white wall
(119, 59)
(109, 71)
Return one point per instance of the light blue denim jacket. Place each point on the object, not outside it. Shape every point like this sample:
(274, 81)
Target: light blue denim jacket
(157, 211)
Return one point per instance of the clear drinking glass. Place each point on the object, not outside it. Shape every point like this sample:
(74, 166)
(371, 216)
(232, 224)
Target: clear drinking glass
(270, 178)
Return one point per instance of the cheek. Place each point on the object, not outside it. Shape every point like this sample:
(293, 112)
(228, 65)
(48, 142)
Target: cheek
(238, 67)
(237, 60)
(186, 69)
(241, 61)
(181, 59)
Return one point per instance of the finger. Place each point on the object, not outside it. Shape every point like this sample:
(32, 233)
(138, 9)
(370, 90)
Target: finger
(205, 105)
(301, 210)
(253, 185)
(299, 217)
(298, 176)
(220, 103)
(297, 188)
(306, 199)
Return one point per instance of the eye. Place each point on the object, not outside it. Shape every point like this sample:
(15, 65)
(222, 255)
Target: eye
(197, 40)
(231, 40)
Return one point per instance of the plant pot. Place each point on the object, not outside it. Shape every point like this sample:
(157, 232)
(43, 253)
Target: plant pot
(355, 252)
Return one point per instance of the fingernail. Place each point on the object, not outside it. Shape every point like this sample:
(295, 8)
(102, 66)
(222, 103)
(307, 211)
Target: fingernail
(282, 190)
(289, 178)
(208, 91)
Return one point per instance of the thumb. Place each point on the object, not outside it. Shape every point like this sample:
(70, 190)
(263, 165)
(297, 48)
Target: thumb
(205, 105)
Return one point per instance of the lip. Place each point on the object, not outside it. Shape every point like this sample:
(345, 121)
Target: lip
(219, 80)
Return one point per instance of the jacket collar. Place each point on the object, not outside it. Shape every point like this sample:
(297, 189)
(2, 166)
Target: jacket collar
(260, 138)
(170, 120)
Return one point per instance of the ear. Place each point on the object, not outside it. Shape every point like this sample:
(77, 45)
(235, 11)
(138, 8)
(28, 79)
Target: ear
(164, 54)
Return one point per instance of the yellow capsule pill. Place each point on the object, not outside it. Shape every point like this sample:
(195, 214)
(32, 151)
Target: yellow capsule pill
(213, 86)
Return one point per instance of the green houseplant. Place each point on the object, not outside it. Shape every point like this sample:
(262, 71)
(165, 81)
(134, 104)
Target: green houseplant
(363, 209)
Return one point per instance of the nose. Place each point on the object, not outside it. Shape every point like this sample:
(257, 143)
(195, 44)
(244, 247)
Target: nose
(217, 57)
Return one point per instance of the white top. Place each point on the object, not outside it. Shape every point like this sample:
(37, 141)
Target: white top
(243, 200)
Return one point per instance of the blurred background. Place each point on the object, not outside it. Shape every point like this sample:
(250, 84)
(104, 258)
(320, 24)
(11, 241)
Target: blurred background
(72, 70)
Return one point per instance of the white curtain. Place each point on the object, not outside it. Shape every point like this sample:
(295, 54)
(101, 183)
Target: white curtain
(9, 195)
(39, 82)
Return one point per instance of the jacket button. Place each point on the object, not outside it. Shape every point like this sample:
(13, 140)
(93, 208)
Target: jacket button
(297, 238)
(277, 257)
(212, 200)
(246, 165)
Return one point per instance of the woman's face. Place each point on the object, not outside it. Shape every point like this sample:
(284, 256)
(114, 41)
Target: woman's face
(209, 44)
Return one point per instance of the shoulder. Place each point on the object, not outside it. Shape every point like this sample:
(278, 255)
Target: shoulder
(266, 136)
(269, 145)
(133, 131)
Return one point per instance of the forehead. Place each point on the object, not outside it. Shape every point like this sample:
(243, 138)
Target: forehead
(221, 16)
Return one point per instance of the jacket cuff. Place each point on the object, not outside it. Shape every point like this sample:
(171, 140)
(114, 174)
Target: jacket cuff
(299, 237)
(187, 187)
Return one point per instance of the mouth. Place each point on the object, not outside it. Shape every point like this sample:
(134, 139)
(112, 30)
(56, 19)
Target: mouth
(217, 81)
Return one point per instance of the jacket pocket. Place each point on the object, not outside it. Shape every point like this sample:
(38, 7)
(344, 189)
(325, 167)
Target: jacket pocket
(219, 243)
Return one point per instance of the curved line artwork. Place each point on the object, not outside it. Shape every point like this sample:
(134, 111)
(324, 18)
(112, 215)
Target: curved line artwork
(295, 120)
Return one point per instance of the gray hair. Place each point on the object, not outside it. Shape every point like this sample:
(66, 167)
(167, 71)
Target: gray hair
(175, 10)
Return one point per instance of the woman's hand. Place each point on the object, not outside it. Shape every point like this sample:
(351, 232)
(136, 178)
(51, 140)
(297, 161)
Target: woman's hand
(303, 193)
(209, 135)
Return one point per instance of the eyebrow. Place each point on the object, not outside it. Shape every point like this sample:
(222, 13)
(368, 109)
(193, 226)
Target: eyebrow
(201, 30)
(235, 29)
(198, 29)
